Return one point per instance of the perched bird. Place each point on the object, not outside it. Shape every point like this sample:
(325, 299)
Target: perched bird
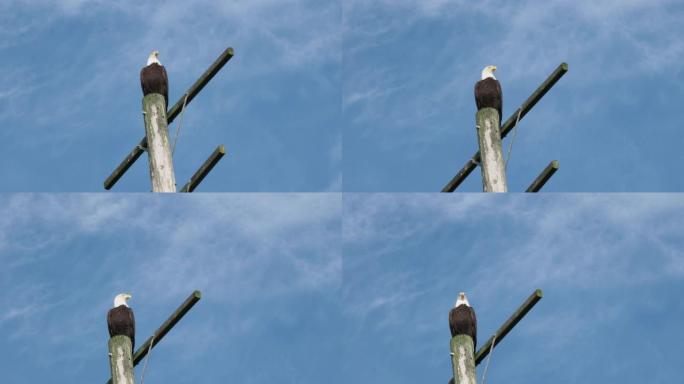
(153, 78)
(462, 319)
(120, 318)
(488, 91)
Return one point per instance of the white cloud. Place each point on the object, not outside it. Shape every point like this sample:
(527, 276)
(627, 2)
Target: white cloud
(236, 248)
(565, 242)
(608, 255)
(335, 156)
(296, 33)
(378, 217)
(270, 38)
(604, 42)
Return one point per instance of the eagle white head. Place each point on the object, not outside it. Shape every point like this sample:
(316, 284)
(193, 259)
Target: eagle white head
(153, 58)
(488, 71)
(121, 299)
(462, 299)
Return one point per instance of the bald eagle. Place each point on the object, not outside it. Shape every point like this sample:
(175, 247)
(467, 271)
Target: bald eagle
(120, 318)
(153, 78)
(488, 91)
(462, 319)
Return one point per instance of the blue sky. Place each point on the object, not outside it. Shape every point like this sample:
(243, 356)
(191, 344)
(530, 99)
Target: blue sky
(70, 97)
(611, 121)
(611, 268)
(392, 80)
(269, 268)
(318, 287)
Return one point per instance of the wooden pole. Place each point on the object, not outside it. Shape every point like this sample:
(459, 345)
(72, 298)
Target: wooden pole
(121, 359)
(159, 334)
(463, 360)
(204, 170)
(171, 115)
(158, 148)
(543, 177)
(509, 124)
(489, 139)
(501, 332)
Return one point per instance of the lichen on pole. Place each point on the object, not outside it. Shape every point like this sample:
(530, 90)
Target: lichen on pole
(171, 114)
(492, 162)
(159, 334)
(463, 359)
(121, 359)
(509, 124)
(158, 149)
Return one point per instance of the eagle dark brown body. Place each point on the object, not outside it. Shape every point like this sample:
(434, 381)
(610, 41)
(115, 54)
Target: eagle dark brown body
(488, 95)
(121, 321)
(153, 79)
(462, 321)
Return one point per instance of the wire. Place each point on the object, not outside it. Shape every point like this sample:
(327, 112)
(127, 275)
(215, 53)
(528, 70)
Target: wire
(147, 359)
(491, 349)
(510, 145)
(180, 125)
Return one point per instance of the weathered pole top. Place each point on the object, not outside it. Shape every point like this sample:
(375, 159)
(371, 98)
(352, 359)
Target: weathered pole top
(510, 123)
(159, 334)
(187, 97)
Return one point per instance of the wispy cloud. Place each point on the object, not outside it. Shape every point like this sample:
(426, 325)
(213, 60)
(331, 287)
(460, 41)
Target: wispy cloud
(275, 26)
(603, 261)
(555, 29)
(73, 77)
(65, 256)
(603, 41)
(568, 243)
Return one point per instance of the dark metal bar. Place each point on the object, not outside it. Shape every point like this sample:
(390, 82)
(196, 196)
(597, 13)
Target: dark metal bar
(125, 164)
(463, 173)
(165, 328)
(508, 325)
(204, 170)
(200, 83)
(509, 124)
(171, 115)
(543, 177)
